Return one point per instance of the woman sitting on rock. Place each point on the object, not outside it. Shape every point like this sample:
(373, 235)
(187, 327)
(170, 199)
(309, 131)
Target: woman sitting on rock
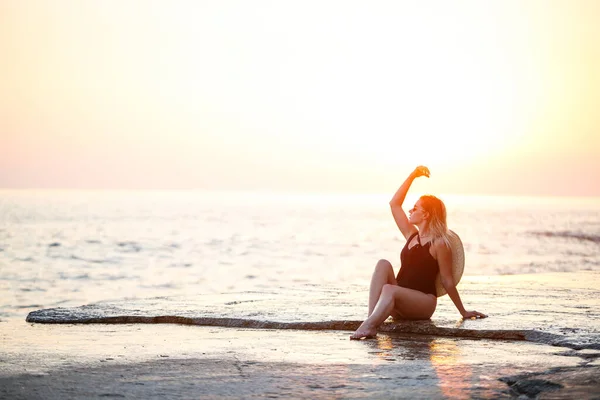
(428, 251)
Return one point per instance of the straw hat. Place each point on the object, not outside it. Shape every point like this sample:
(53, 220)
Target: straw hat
(458, 263)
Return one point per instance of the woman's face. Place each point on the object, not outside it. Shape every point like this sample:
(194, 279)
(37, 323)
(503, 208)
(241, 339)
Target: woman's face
(417, 214)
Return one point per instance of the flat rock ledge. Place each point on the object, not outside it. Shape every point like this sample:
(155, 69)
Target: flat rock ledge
(555, 309)
(410, 327)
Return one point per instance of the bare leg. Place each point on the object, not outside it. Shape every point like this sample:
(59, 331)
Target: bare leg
(409, 303)
(383, 274)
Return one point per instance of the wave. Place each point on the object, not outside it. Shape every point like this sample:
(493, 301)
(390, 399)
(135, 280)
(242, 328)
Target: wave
(569, 235)
(90, 260)
(427, 328)
(25, 259)
(129, 247)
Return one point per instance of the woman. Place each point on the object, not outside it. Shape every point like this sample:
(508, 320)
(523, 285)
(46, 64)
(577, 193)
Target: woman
(412, 294)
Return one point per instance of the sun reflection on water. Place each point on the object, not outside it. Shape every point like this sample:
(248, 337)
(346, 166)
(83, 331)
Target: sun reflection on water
(453, 374)
(384, 343)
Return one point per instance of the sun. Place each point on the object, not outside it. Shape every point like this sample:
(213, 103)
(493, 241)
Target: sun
(442, 121)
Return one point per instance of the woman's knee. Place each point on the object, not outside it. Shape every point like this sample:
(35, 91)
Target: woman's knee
(388, 289)
(383, 265)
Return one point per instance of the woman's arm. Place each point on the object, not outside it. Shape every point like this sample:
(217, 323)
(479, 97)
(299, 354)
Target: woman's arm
(400, 217)
(444, 259)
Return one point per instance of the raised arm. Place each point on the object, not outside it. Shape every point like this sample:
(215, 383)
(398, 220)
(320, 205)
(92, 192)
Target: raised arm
(400, 217)
(444, 259)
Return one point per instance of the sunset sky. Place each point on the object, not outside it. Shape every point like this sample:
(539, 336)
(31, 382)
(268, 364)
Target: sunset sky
(495, 97)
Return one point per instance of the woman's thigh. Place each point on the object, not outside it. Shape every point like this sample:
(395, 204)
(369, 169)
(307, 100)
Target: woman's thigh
(413, 304)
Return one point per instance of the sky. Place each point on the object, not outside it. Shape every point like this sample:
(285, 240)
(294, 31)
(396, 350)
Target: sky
(311, 96)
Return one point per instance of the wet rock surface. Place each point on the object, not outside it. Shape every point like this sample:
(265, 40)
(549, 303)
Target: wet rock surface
(556, 309)
(228, 378)
(541, 340)
(531, 387)
(41, 361)
(582, 382)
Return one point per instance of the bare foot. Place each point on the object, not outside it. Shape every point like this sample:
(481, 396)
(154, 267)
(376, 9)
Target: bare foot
(364, 331)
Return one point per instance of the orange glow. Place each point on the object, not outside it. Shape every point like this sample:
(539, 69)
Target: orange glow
(341, 96)
(454, 376)
(385, 345)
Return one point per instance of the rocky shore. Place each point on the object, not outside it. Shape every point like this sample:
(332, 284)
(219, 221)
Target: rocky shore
(181, 362)
(540, 341)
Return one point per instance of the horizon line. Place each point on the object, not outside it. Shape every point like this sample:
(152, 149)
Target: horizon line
(289, 192)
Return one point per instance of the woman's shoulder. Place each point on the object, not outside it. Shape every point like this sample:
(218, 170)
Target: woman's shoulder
(440, 246)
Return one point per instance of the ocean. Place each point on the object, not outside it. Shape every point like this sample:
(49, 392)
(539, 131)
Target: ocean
(62, 248)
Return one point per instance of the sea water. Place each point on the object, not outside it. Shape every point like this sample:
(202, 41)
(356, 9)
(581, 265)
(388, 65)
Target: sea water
(73, 247)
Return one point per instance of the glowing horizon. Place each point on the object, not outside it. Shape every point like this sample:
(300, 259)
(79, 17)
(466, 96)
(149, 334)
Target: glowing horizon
(342, 96)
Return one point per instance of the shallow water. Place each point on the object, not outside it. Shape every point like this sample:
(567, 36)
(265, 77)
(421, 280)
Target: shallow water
(66, 248)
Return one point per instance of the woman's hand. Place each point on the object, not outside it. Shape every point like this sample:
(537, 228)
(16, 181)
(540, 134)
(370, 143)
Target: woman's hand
(421, 171)
(473, 314)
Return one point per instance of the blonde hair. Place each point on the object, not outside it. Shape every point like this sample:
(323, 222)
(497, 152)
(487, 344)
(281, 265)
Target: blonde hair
(436, 223)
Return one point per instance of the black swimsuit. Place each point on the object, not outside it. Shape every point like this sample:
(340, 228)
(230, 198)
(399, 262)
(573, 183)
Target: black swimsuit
(418, 267)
